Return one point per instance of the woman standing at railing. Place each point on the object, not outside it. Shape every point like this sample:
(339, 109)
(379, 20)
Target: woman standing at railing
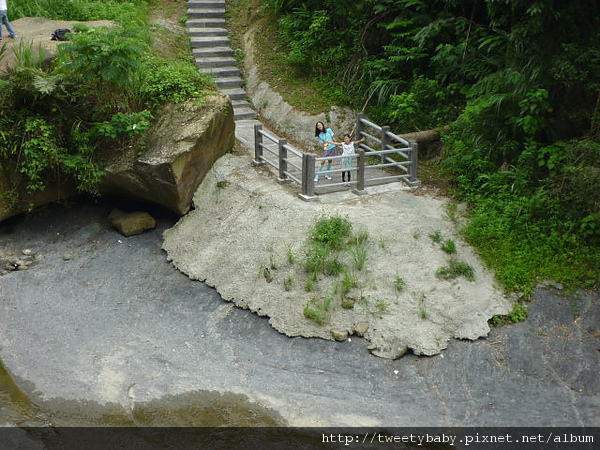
(325, 137)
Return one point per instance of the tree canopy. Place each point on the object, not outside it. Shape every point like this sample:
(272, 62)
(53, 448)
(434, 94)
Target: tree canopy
(516, 84)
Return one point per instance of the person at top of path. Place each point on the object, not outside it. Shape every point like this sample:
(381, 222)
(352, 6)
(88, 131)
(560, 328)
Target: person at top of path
(4, 20)
(325, 137)
(347, 150)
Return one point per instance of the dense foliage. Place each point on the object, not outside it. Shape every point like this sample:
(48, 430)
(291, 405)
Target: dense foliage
(60, 121)
(517, 82)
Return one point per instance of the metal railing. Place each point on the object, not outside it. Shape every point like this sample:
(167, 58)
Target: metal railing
(381, 151)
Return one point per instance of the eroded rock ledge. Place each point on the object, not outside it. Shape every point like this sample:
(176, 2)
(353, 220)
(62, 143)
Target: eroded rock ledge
(244, 223)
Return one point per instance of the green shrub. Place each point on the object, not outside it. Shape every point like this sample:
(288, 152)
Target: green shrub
(108, 58)
(518, 314)
(449, 246)
(172, 81)
(456, 269)
(318, 310)
(358, 250)
(436, 236)
(399, 284)
(331, 231)
(123, 11)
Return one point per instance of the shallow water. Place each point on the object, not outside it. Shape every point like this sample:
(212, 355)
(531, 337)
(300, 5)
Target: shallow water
(193, 409)
(15, 406)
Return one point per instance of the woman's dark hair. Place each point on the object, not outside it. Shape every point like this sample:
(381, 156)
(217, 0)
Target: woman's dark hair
(317, 131)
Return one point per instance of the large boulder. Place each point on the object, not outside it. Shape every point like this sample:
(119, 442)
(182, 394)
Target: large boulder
(184, 143)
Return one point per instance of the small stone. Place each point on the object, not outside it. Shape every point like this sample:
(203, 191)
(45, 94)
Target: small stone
(27, 252)
(267, 275)
(11, 266)
(339, 335)
(67, 257)
(22, 267)
(361, 328)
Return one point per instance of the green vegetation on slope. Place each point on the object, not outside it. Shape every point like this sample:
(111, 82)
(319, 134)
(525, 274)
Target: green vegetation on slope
(96, 99)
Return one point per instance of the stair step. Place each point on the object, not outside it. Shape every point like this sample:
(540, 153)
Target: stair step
(202, 13)
(206, 32)
(241, 104)
(212, 52)
(205, 23)
(212, 4)
(227, 71)
(210, 41)
(235, 94)
(229, 82)
(217, 61)
(244, 114)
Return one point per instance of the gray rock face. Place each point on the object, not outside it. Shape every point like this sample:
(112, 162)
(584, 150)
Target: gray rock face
(83, 333)
(184, 144)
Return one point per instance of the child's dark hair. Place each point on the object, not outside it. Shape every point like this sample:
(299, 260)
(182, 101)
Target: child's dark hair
(317, 131)
(347, 135)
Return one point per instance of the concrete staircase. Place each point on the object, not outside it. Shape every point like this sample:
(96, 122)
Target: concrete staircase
(212, 50)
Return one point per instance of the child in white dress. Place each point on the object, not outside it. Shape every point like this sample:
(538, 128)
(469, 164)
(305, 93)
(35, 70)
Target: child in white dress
(347, 150)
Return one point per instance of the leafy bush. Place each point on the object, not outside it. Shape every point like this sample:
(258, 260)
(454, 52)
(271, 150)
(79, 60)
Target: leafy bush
(518, 314)
(331, 231)
(318, 310)
(122, 11)
(449, 246)
(172, 81)
(98, 97)
(108, 59)
(456, 269)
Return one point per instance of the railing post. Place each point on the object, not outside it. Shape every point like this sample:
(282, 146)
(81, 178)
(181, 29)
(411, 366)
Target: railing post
(412, 168)
(308, 177)
(258, 140)
(360, 172)
(281, 143)
(359, 125)
(385, 140)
